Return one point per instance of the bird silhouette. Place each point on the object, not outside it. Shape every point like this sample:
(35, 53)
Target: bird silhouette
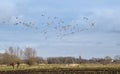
(53, 25)
(42, 15)
(16, 17)
(86, 18)
(93, 24)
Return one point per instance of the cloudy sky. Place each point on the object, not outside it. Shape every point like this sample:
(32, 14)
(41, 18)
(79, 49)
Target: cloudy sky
(101, 40)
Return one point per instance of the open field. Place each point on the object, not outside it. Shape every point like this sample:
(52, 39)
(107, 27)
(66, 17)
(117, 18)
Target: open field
(63, 69)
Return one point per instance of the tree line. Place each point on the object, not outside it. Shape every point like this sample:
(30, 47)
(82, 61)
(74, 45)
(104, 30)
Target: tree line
(13, 56)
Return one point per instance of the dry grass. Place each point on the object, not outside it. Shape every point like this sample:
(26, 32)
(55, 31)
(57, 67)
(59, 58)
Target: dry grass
(50, 66)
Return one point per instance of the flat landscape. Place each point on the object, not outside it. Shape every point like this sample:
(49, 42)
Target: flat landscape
(59, 36)
(63, 69)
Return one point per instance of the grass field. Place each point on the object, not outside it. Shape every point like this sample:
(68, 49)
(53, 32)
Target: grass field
(62, 69)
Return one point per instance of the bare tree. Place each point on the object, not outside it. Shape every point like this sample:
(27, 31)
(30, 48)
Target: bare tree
(107, 60)
(30, 55)
(13, 56)
(117, 59)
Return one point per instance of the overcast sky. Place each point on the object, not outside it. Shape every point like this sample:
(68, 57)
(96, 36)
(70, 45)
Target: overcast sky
(101, 40)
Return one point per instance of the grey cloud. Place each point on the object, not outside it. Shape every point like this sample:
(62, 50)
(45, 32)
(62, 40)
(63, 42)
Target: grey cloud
(114, 31)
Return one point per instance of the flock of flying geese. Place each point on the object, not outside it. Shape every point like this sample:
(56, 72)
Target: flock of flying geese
(54, 25)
